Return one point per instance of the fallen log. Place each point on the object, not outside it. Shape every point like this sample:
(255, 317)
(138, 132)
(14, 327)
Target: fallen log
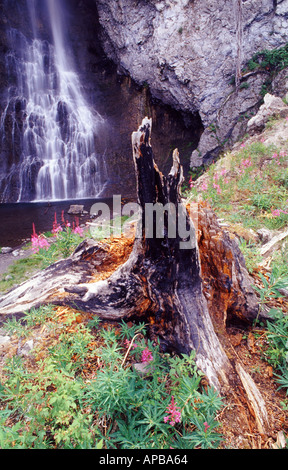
(184, 275)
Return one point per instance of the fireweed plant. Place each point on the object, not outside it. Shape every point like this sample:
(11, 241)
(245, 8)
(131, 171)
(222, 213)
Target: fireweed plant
(84, 390)
(65, 238)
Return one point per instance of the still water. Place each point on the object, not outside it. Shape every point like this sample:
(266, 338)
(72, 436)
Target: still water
(17, 219)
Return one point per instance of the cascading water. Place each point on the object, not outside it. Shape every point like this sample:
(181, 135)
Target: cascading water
(51, 144)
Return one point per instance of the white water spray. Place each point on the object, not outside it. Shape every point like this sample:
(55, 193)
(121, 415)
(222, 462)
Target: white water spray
(58, 155)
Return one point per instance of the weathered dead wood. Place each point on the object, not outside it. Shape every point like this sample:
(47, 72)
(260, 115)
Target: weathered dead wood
(186, 295)
(268, 248)
(255, 398)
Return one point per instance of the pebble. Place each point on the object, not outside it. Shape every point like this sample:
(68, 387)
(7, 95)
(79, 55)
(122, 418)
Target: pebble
(26, 348)
(142, 368)
(17, 253)
(4, 340)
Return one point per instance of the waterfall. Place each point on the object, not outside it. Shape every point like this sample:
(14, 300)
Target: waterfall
(51, 146)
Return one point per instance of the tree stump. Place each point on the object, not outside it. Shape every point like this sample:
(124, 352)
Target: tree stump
(185, 276)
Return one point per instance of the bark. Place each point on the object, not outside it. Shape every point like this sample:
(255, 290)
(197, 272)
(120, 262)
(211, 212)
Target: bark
(187, 283)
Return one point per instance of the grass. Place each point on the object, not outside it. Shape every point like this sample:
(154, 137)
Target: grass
(19, 271)
(253, 190)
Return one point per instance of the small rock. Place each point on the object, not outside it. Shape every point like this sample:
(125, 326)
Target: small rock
(264, 235)
(4, 340)
(6, 249)
(143, 368)
(76, 209)
(273, 106)
(8, 277)
(26, 348)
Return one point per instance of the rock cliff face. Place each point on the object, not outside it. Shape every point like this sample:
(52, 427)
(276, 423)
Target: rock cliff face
(187, 51)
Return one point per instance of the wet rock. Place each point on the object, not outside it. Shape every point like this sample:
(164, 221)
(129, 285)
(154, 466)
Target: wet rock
(6, 249)
(18, 253)
(76, 209)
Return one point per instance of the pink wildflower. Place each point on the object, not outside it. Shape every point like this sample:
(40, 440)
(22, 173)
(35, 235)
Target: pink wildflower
(217, 187)
(38, 241)
(223, 172)
(67, 224)
(56, 227)
(204, 186)
(146, 355)
(206, 426)
(127, 344)
(246, 163)
(277, 212)
(275, 156)
(78, 230)
(191, 183)
(173, 412)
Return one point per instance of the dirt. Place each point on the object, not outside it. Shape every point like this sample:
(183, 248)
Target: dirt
(237, 418)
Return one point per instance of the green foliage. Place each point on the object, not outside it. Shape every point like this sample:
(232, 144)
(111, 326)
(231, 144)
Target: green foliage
(282, 178)
(53, 405)
(251, 254)
(262, 201)
(244, 85)
(61, 246)
(271, 287)
(19, 271)
(129, 332)
(252, 65)
(272, 60)
(277, 351)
